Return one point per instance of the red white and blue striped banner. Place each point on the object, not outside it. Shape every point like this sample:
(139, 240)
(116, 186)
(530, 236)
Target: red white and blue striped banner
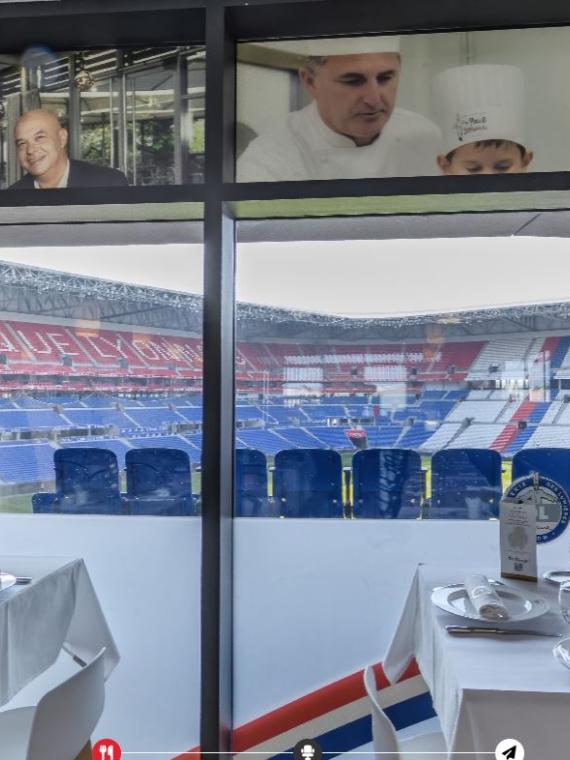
(336, 715)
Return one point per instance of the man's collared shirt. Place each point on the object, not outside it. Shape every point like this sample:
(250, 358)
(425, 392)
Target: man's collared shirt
(62, 182)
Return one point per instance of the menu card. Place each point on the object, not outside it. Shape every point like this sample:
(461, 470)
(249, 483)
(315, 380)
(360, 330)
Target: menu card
(518, 539)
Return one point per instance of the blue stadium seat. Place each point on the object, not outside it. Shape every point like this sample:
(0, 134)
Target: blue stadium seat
(251, 485)
(43, 503)
(86, 482)
(308, 483)
(465, 484)
(387, 483)
(551, 462)
(159, 482)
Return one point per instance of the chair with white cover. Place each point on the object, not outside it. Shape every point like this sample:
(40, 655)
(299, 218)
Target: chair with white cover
(61, 724)
(384, 736)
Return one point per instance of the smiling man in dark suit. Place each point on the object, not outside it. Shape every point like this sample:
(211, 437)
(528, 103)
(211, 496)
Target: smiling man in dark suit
(41, 145)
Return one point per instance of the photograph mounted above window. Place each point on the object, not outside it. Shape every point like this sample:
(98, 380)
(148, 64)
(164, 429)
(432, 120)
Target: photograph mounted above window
(403, 105)
(101, 118)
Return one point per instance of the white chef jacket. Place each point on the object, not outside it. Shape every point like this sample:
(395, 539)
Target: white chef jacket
(306, 148)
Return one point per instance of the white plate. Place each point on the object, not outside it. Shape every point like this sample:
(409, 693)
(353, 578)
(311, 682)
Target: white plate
(454, 599)
(557, 576)
(6, 580)
(562, 652)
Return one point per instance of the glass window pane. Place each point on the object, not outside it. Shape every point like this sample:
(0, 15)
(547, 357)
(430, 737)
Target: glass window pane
(100, 436)
(415, 372)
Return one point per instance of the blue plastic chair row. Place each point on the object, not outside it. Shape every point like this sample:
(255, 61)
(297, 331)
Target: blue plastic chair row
(87, 482)
(387, 484)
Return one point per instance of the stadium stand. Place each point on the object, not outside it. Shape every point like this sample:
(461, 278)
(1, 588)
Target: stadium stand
(436, 410)
(498, 353)
(168, 442)
(476, 436)
(383, 435)
(268, 441)
(195, 440)
(456, 395)
(331, 437)
(552, 412)
(519, 442)
(562, 419)
(478, 395)
(479, 411)
(415, 436)
(511, 411)
(537, 414)
(27, 402)
(126, 388)
(409, 412)
(32, 419)
(441, 437)
(190, 413)
(499, 395)
(324, 412)
(559, 352)
(26, 463)
(436, 395)
(522, 412)
(299, 438)
(247, 412)
(98, 417)
(505, 437)
(285, 415)
(557, 436)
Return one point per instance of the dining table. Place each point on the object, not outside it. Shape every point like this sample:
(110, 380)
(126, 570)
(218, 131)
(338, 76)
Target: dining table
(487, 688)
(53, 606)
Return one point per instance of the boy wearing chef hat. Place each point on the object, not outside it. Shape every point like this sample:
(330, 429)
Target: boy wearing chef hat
(482, 118)
(352, 127)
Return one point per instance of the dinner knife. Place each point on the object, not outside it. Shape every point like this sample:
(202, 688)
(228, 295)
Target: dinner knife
(467, 630)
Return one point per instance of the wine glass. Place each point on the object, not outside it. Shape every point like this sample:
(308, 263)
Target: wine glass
(564, 601)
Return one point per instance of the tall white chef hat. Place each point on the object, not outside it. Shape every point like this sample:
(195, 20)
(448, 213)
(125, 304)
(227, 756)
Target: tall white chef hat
(480, 102)
(325, 46)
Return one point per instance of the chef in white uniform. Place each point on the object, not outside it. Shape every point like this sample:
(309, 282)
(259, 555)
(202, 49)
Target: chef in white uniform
(351, 129)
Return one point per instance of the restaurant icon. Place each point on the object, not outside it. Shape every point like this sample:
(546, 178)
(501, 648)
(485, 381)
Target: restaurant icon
(509, 749)
(106, 749)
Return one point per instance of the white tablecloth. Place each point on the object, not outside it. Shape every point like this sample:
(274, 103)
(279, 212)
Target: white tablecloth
(58, 609)
(486, 688)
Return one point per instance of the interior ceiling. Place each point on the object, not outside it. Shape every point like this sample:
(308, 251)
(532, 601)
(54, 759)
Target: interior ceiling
(504, 224)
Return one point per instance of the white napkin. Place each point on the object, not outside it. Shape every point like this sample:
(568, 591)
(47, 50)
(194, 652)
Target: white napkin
(485, 599)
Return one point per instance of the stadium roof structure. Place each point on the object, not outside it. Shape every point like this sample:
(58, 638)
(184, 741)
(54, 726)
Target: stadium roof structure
(46, 293)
